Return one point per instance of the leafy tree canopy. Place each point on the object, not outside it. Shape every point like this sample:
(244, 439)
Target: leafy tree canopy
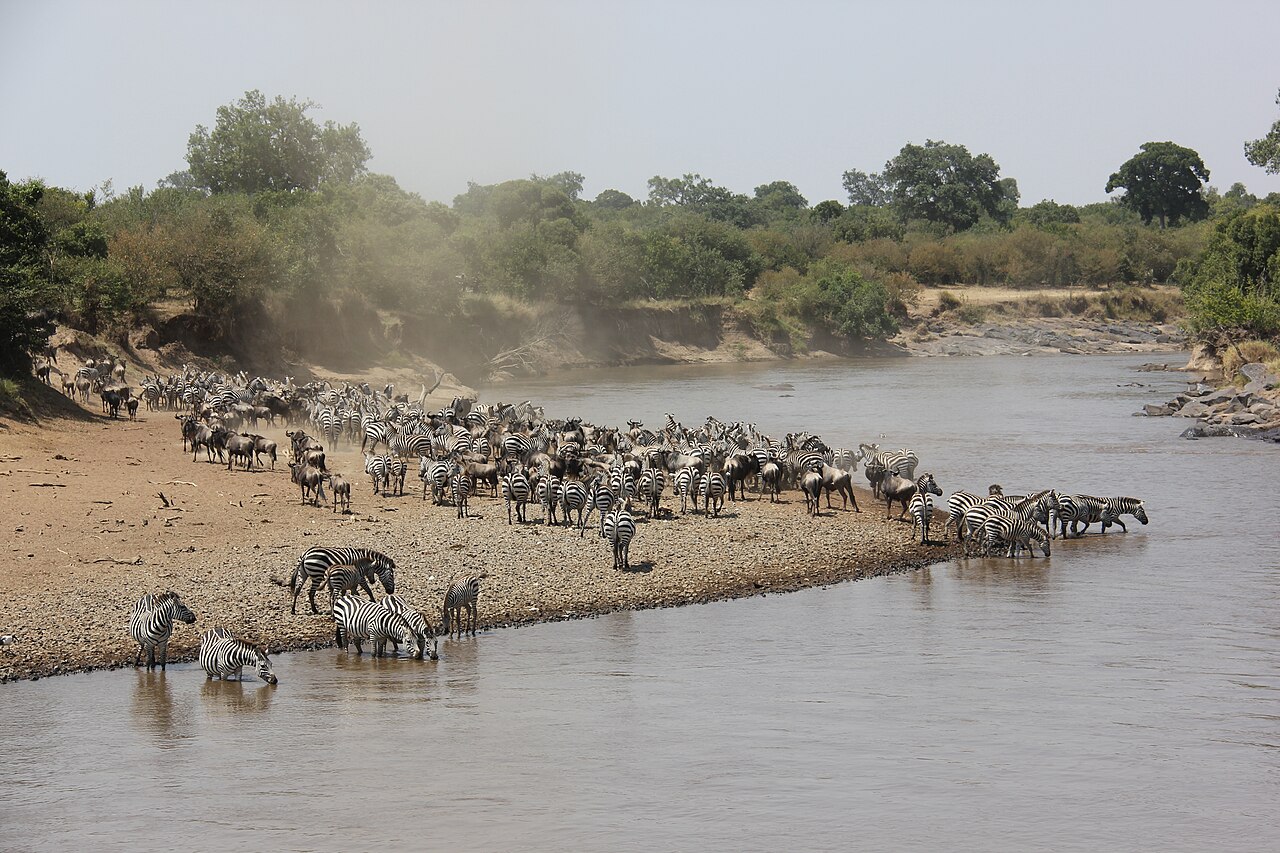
(866, 189)
(1163, 181)
(614, 200)
(946, 185)
(24, 327)
(1233, 289)
(569, 183)
(1044, 214)
(1265, 152)
(696, 193)
(257, 146)
(781, 195)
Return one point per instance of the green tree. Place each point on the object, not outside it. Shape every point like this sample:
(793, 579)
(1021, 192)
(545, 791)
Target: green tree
(614, 200)
(696, 193)
(866, 189)
(839, 298)
(257, 146)
(1265, 152)
(25, 323)
(946, 185)
(825, 211)
(780, 196)
(569, 183)
(1233, 288)
(1163, 181)
(1047, 213)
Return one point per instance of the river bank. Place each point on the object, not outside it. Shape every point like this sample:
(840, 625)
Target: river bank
(88, 533)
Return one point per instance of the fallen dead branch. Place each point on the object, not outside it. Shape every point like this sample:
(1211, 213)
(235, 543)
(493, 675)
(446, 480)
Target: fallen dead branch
(137, 561)
(49, 485)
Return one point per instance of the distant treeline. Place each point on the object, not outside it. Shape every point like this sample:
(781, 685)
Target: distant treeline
(258, 224)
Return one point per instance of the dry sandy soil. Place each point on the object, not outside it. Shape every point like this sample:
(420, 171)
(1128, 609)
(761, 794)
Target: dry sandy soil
(86, 533)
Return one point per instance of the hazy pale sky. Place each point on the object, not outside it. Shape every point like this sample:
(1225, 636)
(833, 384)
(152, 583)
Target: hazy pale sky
(742, 92)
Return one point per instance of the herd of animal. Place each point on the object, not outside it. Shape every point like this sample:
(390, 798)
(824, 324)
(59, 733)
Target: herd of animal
(569, 468)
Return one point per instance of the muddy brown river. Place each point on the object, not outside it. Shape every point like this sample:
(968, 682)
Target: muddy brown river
(1123, 694)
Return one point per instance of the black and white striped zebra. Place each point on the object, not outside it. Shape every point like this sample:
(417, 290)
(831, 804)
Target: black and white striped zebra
(460, 610)
(460, 488)
(550, 490)
(622, 483)
(686, 486)
(1116, 507)
(378, 469)
(427, 646)
(315, 562)
(1076, 510)
(600, 498)
(151, 625)
(573, 498)
(435, 475)
(1016, 531)
(222, 656)
(515, 491)
(649, 489)
(357, 621)
(619, 530)
(397, 470)
(711, 491)
(376, 432)
(921, 512)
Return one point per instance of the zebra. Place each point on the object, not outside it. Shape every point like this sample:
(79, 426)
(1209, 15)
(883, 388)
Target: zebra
(1016, 530)
(599, 497)
(921, 511)
(622, 483)
(378, 470)
(1079, 509)
(711, 490)
(315, 563)
(460, 488)
(459, 611)
(396, 471)
(435, 475)
(376, 432)
(222, 655)
(573, 496)
(417, 621)
(619, 530)
(686, 486)
(549, 490)
(151, 624)
(515, 490)
(650, 487)
(1122, 506)
(356, 620)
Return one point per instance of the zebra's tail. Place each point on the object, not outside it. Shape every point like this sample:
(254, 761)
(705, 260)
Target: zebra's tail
(293, 579)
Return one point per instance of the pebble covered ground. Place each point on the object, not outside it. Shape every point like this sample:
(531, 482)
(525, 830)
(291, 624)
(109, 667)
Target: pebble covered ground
(87, 533)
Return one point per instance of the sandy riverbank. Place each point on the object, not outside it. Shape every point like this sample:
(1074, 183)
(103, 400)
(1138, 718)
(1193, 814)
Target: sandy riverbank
(86, 533)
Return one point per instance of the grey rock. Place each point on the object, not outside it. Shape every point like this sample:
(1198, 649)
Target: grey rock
(1264, 410)
(1193, 410)
(1242, 418)
(1152, 410)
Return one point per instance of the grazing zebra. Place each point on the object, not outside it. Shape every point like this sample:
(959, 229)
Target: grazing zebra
(1016, 530)
(460, 612)
(151, 624)
(356, 621)
(619, 530)
(222, 655)
(686, 486)
(711, 490)
(417, 621)
(315, 563)
(921, 511)
(573, 497)
(460, 488)
(515, 490)
(1122, 506)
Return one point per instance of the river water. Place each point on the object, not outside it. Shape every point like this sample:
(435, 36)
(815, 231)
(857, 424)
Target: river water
(1123, 694)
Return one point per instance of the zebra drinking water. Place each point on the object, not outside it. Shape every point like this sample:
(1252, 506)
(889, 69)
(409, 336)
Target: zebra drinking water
(223, 656)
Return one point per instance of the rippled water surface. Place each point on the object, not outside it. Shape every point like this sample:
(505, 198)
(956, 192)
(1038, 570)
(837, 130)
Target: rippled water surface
(1121, 695)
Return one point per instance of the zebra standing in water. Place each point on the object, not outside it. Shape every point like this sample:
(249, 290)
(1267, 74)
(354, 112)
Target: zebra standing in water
(356, 621)
(417, 621)
(1122, 506)
(1079, 509)
(152, 623)
(315, 562)
(460, 610)
(222, 655)
(619, 530)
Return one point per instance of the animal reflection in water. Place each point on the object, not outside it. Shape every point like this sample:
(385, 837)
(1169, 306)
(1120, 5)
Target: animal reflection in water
(155, 710)
(236, 697)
